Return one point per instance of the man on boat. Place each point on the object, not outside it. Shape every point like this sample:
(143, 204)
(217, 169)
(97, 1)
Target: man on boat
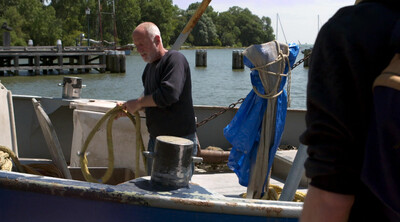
(351, 51)
(167, 97)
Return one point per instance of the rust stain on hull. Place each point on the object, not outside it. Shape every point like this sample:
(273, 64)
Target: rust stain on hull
(192, 202)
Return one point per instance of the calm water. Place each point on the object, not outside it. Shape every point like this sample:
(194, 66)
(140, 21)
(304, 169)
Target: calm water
(217, 84)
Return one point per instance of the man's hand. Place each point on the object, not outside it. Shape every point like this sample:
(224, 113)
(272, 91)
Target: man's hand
(130, 106)
(135, 105)
(321, 205)
(121, 113)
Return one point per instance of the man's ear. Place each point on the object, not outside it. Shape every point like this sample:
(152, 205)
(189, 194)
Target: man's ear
(157, 40)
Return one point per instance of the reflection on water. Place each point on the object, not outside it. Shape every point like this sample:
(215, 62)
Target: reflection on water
(217, 84)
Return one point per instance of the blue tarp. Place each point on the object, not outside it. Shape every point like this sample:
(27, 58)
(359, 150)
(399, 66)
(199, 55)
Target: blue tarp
(243, 132)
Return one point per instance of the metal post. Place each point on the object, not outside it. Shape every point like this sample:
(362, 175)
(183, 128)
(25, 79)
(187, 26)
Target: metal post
(87, 16)
(295, 174)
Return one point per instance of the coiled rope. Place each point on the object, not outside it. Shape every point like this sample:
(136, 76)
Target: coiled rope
(7, 156)
(110, 115)
(275, 191)
(264, 69)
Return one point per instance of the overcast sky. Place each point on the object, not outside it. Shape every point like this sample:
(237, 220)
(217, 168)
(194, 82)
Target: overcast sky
(299, 18)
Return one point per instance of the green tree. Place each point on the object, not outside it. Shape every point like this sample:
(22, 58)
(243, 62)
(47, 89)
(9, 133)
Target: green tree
(240, 24)
(227, 31)
(267, 28)
(161, 13)
(40, 23)
(204, 33)
(71, 15)
(209, 10)
(67, 20)
(128, 16)
(44, 28)
(15, 21)
(178, 22)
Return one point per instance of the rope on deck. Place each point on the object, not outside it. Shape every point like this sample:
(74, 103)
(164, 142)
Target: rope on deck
(275, 191)
(7, 157)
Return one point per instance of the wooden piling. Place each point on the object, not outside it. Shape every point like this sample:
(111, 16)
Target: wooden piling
(30, 63)
(237, 59)
(81, 62)
(115, 63)
(16, 64)
(37, 65)
(103, 60)
(1, 65)
(122, 62)
(60, 63)
(87, 62)
(306, 53)
(108, 60)
(201, 57)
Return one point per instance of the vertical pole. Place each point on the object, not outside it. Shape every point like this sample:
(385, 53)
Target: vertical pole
(295, 174)
(102, 60)
(44, 60)
(16, 65)
(87, 70)
(115, 25)
(80, 63)
(109, 61)
(1, 65)
(88, 31)
(71, 63)
(60, 64)
(88, 26)
(122, 62)
(100, 25)
(51, 63)
(37, 65)
(30, 63)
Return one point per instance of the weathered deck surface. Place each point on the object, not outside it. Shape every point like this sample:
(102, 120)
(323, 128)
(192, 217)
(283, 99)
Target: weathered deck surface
(228, 185)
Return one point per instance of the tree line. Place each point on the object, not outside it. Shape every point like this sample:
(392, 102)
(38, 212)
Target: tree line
(68, 19)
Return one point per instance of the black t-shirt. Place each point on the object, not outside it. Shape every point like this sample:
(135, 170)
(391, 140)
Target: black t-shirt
(168, 81)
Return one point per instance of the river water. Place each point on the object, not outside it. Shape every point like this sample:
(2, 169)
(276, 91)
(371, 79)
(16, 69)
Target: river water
(217, 84)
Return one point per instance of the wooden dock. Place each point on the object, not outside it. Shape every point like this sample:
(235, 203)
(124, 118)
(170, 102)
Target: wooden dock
(44, 60)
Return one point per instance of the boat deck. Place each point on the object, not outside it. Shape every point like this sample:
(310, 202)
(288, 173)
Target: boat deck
(227, 183)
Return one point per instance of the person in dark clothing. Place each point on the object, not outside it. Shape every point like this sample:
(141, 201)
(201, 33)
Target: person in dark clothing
(167, 98)
(351, 50)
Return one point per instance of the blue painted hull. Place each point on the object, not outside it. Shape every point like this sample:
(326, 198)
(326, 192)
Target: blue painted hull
(28, 206)
(34, 198)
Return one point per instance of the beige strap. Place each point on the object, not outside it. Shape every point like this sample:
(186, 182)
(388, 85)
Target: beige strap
(390, 76)
(388, 80)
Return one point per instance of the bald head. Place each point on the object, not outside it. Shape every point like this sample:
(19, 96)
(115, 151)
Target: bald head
(149, 29)
(147, 39)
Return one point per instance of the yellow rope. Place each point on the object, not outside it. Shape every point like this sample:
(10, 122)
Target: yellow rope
(34, 168)
(275, 191)
(5, 161)
(110, 115)
(13, 157)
